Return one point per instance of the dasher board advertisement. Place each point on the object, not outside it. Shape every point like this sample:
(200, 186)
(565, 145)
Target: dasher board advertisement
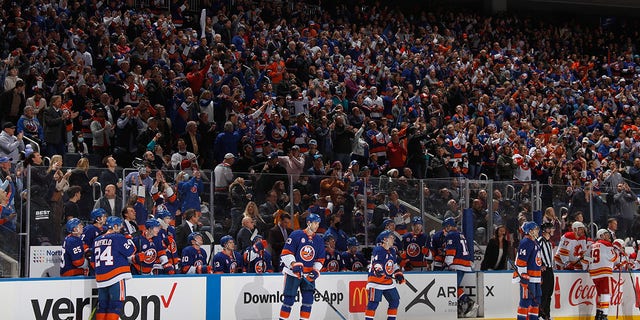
(424, 296)
(148, 298)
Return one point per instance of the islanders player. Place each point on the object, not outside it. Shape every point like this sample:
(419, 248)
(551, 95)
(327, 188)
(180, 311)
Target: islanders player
(458, 258)
(228, 260)
(112, 252)
(437, 242)
(302, 256)
(333, 261)
(352, 258)
(256, 258)
(382, 271)
(529, 272)
(416, 246)
(194, 258)
(152, 254)
(73, 260)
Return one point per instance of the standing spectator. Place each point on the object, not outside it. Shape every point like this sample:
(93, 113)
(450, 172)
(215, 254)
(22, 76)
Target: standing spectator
(71, 209)
(111, 201)
(497, 252)
(12, 102)
(80, 177)
(293, 162)
(341, 135)
(181, 154)
(223, 177)
(189, 225)
(129, 126)
(506, 165)
(277, 237)
(226, 142)
(112, 269)
(239, 198)
(627, 205)
(55, 126)
(546, 254)
(396, 152)
(550, 217)
(110, 176)
(271, 172)
(101, 131)
(30, 126)
(11, 145)
(189, 192)
(247, 232)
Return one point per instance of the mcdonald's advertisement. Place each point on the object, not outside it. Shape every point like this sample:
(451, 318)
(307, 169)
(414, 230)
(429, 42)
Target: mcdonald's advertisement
(423, 296)
(574, 295)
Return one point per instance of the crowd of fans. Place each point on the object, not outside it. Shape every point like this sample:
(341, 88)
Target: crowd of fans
(275, 97)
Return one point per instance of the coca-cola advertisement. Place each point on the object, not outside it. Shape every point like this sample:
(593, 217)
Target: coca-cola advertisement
(574, 295)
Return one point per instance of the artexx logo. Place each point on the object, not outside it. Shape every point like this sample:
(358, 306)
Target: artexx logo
(423, 296)
(135, 308)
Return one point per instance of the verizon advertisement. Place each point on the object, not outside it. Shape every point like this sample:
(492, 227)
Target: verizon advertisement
(574, 295)
(73, 299)
(259, 297)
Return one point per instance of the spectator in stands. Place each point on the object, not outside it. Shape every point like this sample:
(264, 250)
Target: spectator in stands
(10, 144)
(246, 233)
(190, 224)
(277, 236)
(101, 130)
(111, 201)
(55, 120)
(181, 154)
(227, 141)
(13, 102)
(71, 208)
(497, 252)
(626, 203)
(30, 126)
(109, 175)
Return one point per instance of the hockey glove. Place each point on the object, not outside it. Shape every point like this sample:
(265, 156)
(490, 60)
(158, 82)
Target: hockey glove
(399, 277)
(168, 269)
(524, 279)
(313, 275)
(297, 268)
(378, 271)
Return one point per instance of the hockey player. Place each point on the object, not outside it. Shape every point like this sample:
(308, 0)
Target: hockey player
(194, 258)
(572, 248)
(458, 258)
(73, 259)
(528, 273)
(333, 260)
(228, 260)
(256, 258)
(382, 271)
(437, 243)
(416, 247)
(112, 253)
(167, 234)
(602, 260)
(152, 254)
(302, 256)
(352, 258)
(92, 231)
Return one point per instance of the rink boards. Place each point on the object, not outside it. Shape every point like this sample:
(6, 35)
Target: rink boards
(429, 295)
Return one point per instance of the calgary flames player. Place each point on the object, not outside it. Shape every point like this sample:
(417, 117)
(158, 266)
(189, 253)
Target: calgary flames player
(572, 248)
(601, 263)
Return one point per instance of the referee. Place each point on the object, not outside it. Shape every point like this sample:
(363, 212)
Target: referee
(546, 231)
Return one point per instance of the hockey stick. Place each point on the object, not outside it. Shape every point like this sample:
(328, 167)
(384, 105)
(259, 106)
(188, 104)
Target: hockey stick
(92, 316)
(620, 289)
(515, 269)
(304, 278)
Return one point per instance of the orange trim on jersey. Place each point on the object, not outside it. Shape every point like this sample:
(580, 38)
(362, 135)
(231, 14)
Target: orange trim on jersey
(462, 262)
(73, 272)
(113, 273)
(600, 271)
(380, 280)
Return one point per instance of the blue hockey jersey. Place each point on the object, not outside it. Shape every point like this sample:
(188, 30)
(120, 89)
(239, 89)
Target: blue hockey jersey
(416, 249)
(110, 255)
(224, 263)
(73, 261)
(437, 248)
(384, 260)
(332, 261)
(353, 262)
(529, 261)
(308, 249)
(193, 258)
(154, 252)
(458, 257)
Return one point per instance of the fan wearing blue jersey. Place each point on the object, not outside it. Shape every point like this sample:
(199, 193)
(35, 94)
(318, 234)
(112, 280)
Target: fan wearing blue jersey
(458, 258)
(112, 254)
(302, 259)
(73, 259)
(352, 258)
(91, 232)
(228, 260)
(529, 272)
(382, 271)
(194, 258)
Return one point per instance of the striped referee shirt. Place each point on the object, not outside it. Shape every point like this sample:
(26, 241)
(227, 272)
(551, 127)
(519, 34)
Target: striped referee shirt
(546, 252)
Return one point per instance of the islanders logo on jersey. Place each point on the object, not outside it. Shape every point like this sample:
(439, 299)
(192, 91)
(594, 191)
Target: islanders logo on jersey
(307, 253)
(261, 266)
(413, 250)
(389, 266)
(150, 256)
(357, 266)
(233, 266)
(194, 189)
(333, 266)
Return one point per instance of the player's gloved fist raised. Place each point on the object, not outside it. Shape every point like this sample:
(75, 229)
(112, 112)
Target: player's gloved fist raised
(313, 275)
(378, 271)
(297, 268)
(399, 277)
